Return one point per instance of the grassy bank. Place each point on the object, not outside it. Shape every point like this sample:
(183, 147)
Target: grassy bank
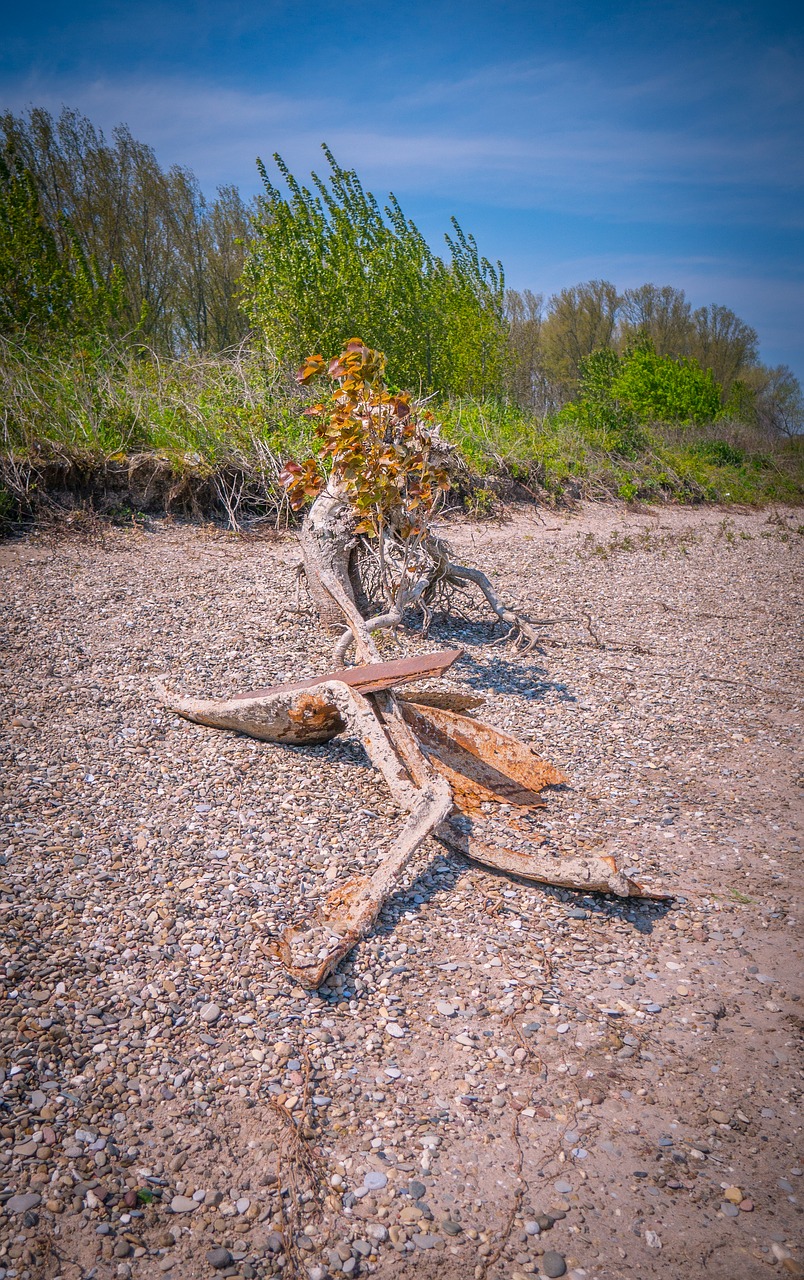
(209, 435)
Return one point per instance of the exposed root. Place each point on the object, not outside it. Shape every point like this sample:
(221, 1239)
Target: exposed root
(433, 760)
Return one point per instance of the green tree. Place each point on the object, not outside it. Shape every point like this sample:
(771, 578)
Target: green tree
(49, 289)
(579, 321)
(526, 382)
(661, 314)
(620, 396)
(329, 262)
(178, 256)
(724, 343)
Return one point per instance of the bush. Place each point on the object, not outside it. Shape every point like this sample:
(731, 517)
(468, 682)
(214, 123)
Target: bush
(327, 264)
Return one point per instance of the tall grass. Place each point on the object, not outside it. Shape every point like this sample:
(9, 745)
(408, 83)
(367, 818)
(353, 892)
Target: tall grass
(214, 432)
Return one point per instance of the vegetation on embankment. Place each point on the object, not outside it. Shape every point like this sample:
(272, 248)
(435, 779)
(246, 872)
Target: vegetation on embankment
(203, 435)
(120, 284)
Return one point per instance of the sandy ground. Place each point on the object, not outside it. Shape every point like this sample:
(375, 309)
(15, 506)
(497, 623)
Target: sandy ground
(504, 1081)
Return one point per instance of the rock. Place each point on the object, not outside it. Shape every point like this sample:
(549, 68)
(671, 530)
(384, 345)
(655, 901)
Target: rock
(728, 1209)
(445, 1009)
(426, 1241)
(733, 1194)
(375, 1180)
(719, 1117)
(38, 1099)
(416, 1189)
(210, 1013)
(451, 1228)
(24, 1202)
(393, 1029)
(532, 1228)
(183, 1204)
(553, 1264)
(562, 1186)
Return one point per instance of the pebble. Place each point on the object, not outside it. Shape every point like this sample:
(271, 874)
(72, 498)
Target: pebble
(375, 1180)
(219, 1258)
(23, 1203)
(210, 1013)
(183, 1204)
(553, 1264)
(426, 1241)
(393, 1029)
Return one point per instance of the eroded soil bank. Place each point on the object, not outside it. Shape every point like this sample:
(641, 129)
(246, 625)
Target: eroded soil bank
(504, 1080)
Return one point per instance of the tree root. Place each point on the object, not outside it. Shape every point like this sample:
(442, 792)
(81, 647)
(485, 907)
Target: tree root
(464, 763)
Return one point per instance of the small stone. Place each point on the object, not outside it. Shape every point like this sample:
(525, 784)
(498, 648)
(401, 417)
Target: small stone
(219, 1258)
(652, 1240)
(24, 1202)
(416, 1189)
(426, 1241)
(733, 1194)
(451, 1228)
(38, 1099)
(746, 1206)
(445, 1009)
(728, 1209)
(375, 1180)
(242, 1205)
(562, 1186)
(210, 1013)
(183, 1204)
(719, 1117)
(393, 1029)
(553, 1264)
(532, 1228)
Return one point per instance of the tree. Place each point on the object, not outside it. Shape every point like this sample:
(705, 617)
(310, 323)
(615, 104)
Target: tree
(580, 320)
(328, 262)
(379, 494)
(663, 315)
(724, 343)
(176, 256)
(525, 380)
(770, 399)
(48, 287)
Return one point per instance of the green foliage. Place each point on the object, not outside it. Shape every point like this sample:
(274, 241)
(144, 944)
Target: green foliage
(378, 448)
(48, 289)
(172, 257)
(665, 389)
(622, 395)
(329, 262)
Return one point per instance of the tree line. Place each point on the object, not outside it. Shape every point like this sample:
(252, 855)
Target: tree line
(98, 240)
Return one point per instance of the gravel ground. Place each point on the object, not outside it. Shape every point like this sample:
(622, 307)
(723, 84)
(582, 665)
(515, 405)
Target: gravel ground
(504, 1081)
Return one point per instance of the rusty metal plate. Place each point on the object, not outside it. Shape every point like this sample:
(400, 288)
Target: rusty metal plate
(372, 676)
(480, 763)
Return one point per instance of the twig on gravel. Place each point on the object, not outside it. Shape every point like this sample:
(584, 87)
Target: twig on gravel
(519, 1193)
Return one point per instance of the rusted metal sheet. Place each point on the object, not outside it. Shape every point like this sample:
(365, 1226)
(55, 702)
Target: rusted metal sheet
(447, 699)
(480, 763)
(371, 677)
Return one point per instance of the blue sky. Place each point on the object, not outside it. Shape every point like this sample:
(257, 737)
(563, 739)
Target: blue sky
(634, 142)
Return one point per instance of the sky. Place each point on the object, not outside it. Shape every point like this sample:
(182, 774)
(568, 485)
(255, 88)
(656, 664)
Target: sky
(632, 142)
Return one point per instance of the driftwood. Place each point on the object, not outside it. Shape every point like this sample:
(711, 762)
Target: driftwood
(436, 761)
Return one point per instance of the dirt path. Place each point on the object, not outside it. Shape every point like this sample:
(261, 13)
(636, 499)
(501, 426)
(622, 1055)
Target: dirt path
(503, 1081)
